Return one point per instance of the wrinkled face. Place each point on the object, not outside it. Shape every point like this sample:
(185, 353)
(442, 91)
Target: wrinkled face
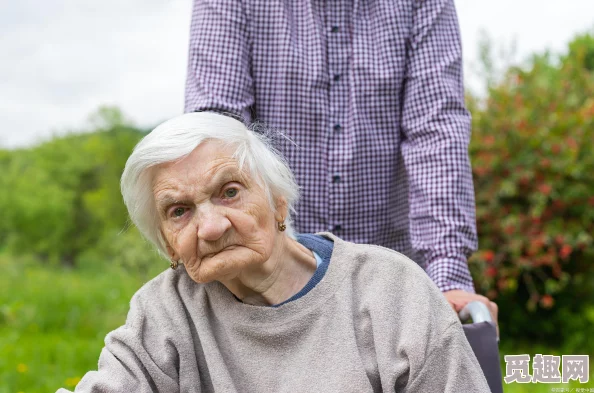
(214, 217)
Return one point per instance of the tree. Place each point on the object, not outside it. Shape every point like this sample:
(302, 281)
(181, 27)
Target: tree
(64, 194)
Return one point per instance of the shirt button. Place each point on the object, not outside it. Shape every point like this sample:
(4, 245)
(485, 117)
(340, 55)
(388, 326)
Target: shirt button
(335, 29)
(337, 127)
(336, 179)
(336, 77)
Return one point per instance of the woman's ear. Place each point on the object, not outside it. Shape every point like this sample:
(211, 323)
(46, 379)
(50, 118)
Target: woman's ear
(282, 210)
(170, 251)
(172, 254)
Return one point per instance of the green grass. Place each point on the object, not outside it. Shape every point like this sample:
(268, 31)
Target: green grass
(546, 388)
(53, 322)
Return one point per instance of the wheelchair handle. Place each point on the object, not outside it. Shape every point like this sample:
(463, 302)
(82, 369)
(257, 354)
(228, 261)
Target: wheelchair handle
(477, 311)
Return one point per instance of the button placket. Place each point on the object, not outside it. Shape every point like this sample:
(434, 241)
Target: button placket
(337, 49)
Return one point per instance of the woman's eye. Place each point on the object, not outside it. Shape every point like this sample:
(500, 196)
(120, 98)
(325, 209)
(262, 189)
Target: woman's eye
(178, 211)
(231, 192)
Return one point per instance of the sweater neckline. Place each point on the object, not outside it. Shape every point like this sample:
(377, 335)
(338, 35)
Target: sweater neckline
(321, 247)
(228, 309)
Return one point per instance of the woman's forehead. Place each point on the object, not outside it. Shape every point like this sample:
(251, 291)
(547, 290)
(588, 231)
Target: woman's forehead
(206, 159)
(209, 164)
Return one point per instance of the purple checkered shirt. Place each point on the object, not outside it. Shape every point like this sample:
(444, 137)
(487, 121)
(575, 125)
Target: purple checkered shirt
(370, 93)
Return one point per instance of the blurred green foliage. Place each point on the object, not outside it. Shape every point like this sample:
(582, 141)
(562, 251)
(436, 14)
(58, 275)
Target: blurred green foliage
(534, 181)
(64, 199)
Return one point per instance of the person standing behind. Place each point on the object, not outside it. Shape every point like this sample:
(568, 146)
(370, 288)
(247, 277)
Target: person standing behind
(370, 95)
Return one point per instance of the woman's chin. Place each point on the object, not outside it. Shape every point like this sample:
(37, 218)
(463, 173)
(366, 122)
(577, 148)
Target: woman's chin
(222, 266)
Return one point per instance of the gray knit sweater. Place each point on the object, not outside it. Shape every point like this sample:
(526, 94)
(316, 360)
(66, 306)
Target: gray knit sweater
(375, 323)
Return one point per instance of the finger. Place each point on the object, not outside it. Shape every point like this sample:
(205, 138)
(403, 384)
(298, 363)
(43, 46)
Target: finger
(453, 304)
(494, 311)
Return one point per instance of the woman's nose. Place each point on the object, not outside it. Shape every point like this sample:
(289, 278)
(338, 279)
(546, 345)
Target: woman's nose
(212, 224)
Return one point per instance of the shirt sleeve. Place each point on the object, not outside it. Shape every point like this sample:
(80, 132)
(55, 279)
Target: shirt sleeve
(450, 367)
(436, 127)
(219, 76)
(130, 360)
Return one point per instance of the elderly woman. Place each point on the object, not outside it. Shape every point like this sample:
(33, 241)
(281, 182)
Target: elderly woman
(248, 306)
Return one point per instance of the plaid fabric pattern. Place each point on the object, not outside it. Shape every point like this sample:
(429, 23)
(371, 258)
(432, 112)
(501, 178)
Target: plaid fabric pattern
(370, 93)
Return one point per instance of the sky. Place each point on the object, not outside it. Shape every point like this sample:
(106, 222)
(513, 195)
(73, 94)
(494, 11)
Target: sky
(63, 59)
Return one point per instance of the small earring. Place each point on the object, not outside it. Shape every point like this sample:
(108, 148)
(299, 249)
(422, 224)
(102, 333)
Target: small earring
(281, 226)
(174, 264)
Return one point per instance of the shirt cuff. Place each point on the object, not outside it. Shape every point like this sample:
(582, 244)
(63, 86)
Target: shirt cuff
(450, 273)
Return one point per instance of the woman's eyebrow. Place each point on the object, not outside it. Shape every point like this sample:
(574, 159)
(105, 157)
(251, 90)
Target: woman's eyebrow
(163, 202)
(224, 176)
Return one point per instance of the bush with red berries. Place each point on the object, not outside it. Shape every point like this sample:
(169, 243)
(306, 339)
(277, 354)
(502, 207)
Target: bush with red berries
(532, 153)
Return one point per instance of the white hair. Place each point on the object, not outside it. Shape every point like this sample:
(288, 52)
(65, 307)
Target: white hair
(178, 137)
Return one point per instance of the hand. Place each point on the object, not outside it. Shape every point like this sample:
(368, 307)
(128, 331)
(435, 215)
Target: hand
(459, 298)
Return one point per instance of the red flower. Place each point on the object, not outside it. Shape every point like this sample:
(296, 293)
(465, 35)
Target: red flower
(481, 170)
(571, 142)
(547, 301)
(565, 251)
(489, 255)
(502, 284)
(491, 272)
(522, 125)
(545, 188)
